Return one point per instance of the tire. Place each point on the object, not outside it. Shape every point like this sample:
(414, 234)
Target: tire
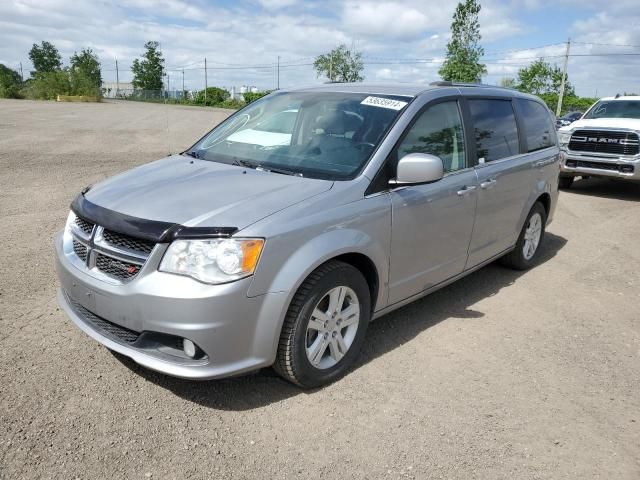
(310, 327)
(565, 182)
(518, 259)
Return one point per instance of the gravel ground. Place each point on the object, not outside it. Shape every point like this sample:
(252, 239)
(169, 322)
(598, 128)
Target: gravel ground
(502, 375)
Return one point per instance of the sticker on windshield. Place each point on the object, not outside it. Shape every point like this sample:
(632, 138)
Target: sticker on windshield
(384, 103)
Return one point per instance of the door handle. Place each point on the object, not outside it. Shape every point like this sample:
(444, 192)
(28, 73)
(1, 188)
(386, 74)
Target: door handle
(466, 190)
(488, 183)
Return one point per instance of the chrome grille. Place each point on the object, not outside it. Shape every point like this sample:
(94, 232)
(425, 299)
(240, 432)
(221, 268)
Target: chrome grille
(80, 250)
(84, 225)
(116, 268)
(109, 255)
(605, 141)
(125, 241)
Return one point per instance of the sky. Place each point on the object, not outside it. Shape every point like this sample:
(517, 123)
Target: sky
(401, 40)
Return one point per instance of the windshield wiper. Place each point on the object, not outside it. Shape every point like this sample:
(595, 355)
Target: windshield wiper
(258, 166)
(279, 170)
(192, 153)
(245, 163)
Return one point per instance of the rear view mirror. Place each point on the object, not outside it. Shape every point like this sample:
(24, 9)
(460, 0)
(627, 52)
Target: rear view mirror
(417, 168)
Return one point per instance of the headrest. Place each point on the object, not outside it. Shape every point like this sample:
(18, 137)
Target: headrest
(332, 122)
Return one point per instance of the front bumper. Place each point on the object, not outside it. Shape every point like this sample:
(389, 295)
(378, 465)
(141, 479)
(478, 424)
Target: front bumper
(235, 332)
(577, 164)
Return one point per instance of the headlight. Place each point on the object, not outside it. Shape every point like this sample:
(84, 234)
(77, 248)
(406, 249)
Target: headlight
(213, 261)
(563, 138)
(71, 219)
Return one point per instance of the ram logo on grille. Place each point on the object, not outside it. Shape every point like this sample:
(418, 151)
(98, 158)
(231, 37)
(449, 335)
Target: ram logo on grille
(617, 141)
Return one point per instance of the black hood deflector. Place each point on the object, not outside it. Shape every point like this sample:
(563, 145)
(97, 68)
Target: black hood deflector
(153, 230)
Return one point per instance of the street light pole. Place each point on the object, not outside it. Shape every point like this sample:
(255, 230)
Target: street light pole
(564, 79)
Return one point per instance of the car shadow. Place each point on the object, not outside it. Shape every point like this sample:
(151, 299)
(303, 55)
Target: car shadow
(606, 188)
(384, 335)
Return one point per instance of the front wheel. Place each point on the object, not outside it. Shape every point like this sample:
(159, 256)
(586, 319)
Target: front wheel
(325, 326)
(526, 251)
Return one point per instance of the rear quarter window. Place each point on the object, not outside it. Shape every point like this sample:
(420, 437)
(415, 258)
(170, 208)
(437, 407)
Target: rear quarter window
(539, 130)
(495, 129)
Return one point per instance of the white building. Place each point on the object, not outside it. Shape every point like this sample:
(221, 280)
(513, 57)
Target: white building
(109, 88)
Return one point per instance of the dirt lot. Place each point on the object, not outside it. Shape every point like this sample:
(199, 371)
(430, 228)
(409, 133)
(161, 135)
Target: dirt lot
(502, 375)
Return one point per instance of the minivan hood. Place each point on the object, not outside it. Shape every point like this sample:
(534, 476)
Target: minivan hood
(625, 123)
(201, 193)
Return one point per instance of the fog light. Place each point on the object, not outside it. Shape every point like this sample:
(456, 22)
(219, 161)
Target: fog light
(189, 348)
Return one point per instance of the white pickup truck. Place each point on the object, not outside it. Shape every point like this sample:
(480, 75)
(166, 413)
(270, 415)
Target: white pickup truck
(605, 142)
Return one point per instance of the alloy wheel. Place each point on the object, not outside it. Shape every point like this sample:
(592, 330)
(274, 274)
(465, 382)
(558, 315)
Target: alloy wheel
(532, 236)
(332, 327)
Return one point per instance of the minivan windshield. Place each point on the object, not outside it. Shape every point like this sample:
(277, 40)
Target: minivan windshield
(327, 135)
(615, 109)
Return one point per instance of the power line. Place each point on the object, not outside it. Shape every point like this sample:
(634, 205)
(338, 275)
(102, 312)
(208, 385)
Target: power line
(523, 49)
(608, 44)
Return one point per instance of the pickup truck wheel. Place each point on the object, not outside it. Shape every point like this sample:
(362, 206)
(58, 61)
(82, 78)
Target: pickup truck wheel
(527, 248)
(325, 326)
(565, 182)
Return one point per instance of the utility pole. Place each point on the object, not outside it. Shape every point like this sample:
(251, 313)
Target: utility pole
(21, 74)
(168, 85)
(278, 85)
(205, 80)
(117, 79)
(182, 83)
(564, 78)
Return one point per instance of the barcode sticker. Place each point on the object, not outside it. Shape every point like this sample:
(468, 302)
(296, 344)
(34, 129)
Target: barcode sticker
(384, 103)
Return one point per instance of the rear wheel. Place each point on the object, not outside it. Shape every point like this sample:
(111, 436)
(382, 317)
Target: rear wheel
(526, 251)
(325, 326)
(565, 182)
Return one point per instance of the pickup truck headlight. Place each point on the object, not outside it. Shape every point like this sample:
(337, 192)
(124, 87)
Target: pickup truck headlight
(564, 138)
(213, 261)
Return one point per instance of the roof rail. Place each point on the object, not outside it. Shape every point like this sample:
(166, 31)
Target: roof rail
(446, 83)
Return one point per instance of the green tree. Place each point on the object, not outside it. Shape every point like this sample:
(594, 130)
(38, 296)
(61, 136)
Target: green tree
(148, 72)
(84, 73)
(340, 65)
(10, 83)
(45, 58)
(462, 63)
(541, 77)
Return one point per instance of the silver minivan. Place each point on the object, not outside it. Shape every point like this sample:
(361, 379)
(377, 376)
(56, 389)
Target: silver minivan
(278, 236)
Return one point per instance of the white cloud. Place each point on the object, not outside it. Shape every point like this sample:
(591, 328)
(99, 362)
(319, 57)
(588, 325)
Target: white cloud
(389, 19)
(251, 32)
(276, 4)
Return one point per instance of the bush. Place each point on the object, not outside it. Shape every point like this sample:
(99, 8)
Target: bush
(81, 84)
(253, 96)
(48, 85)
(10, 83)
(215, 97)
(232, 103)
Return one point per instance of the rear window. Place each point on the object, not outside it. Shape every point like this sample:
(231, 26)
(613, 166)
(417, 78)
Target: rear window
(538, 128)
(495, 129)
(615, 109)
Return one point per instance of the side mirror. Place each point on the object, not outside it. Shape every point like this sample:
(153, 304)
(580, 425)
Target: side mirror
(418, 168)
